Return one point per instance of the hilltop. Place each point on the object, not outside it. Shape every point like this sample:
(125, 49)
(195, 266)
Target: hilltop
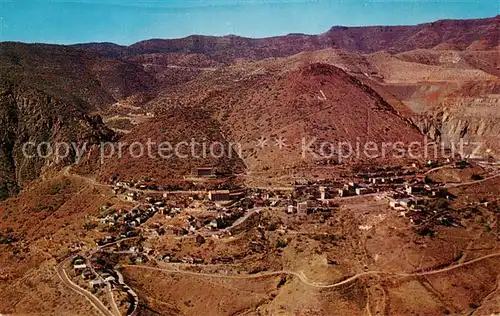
(316, 102)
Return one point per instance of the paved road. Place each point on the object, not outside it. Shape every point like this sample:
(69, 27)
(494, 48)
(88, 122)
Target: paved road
(89, 296)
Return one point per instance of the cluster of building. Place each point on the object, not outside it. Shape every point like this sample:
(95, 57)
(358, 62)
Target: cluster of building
(414, 200)
(121, 186)
(406, 188)
(125, 223)
(309, 206)
(88, 273)
(172, 258)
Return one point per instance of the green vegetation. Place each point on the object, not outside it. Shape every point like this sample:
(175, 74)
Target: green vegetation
(282, 282)
(473, 306)
(7, 239)
(4, 194)
(59, 187)
(55, 189)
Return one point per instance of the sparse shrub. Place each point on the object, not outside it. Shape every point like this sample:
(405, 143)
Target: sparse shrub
(272, 226)
(281, 243)
(426, 231)
(282, 282)
(487, 228)
(5, 240)
(473, 305)
(439, 204)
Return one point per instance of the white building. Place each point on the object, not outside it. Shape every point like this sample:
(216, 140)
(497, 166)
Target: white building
(302, 208)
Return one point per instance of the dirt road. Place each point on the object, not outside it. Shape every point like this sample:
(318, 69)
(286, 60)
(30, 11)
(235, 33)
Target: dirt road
(306, 281)
(89, 296)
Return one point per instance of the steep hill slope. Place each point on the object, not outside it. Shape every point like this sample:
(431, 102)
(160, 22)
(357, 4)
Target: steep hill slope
(448, 94)
(33, 117)
(178, 142)
(51, 93)
(276, 116)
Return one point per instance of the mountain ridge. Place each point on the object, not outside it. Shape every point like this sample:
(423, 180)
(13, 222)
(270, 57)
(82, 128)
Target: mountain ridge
(364, 39)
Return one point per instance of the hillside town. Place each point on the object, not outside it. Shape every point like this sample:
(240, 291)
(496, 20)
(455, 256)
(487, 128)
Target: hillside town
(129, 236)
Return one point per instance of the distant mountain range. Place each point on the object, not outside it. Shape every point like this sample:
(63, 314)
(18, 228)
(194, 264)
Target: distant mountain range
(48, 92)
(475, 34)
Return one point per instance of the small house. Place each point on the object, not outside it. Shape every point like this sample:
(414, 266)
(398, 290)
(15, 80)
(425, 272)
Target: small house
(205, 172)
(219, 195)
(344, 192)
(360, 191)
(302, 207)
(323, 191)
(87, 274)
(407, 202)
(96, 283)
(79, 268)
(78, 261)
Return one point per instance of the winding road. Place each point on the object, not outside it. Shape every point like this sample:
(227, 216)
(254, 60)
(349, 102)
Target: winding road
(94, 182)
(89, 296)
(97, 304)
(456, 185)
(306, 281)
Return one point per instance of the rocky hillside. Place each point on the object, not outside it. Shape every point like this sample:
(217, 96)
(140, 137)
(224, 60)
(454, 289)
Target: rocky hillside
(440, 76)
(180, 141)
(28, 115)
(469, 114)
(73, 74)
(52, 93)
(271, 114)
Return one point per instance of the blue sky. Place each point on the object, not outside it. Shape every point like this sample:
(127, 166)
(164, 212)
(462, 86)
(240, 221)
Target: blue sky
(126, 22)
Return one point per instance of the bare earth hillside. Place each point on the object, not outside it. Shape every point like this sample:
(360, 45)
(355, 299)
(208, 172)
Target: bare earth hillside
(237, 176)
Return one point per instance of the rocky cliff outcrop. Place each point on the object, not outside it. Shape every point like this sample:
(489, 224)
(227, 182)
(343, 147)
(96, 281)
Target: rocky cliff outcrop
(32, 122)
(472, 121)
